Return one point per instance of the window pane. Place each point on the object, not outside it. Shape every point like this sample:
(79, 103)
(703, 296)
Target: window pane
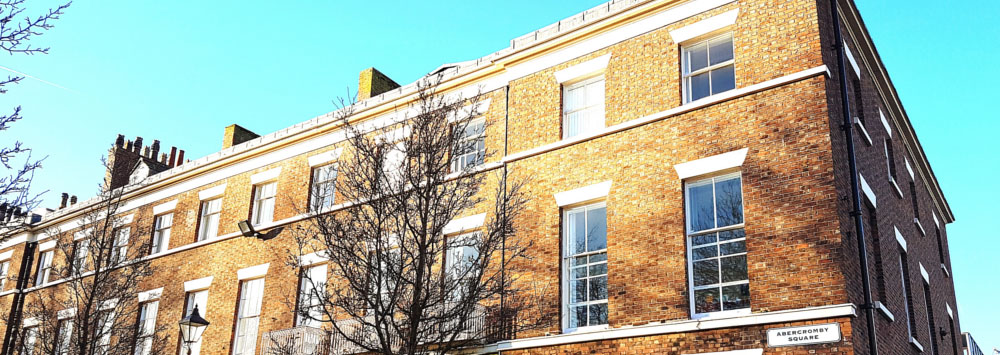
(721, 50)
(734, 268)
(579, 273)
(706, 272)
(698, 87)
(704, 253)
(729, 202)
(703, 239)
(701, 207)
(598, 288)
(697, 57)
(599, 269)
(736, 297)
(723, 79)
(706, 301)
(731, 234)
(574, 99)
(733, 248)
(579, 291)
(577, 228)
(595, 93)
(578, 317)
(597, 229)
(580, 260)
(599, 314)
(598, 257)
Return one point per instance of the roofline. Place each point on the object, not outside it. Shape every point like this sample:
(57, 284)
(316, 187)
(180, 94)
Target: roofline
(549, 38)
(897, 113)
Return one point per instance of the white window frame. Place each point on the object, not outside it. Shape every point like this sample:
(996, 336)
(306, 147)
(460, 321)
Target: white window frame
(206, 215)
(161, 232)
(596, 106)
(119, 253)
(44, 268)
(312, 288)
(191, 298)
(30, 343)
(460, 159)
(264, 204)
(250, 291)
(4, 273)
(689, 247)
(567, 276)
(686, 75)
(147, 326)
(323, 194)
(64, 334)
(81, 250)
(907, 297)
(459, 253)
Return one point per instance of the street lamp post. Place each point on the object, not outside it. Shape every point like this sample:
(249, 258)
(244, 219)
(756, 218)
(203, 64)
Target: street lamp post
(192, 327)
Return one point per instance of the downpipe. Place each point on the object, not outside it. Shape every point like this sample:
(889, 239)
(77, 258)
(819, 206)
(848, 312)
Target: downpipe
(848, 126)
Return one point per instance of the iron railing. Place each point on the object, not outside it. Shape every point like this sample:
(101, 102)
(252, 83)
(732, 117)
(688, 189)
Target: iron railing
(486, 326)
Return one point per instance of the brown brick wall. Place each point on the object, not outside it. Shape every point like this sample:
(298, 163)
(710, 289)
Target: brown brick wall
(801, 251)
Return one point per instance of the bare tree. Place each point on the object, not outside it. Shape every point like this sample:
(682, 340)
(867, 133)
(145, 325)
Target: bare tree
(399, 281)
(15, 184)
(93, 309)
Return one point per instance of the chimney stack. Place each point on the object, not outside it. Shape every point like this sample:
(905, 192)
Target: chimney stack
(65, 197)
(372, 83)
(236, 134)
(155, 149)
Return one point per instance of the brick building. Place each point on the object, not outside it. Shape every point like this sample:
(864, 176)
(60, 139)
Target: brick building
(705, 139)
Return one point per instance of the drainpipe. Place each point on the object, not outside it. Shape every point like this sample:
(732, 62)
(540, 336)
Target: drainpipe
(17, 306)
(503, 242)
(848, 126)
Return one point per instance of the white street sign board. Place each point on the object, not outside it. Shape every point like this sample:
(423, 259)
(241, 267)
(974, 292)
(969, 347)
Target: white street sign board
(804, 335)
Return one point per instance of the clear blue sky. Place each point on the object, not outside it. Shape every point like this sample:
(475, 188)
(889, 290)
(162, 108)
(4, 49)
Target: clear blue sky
(180, 71)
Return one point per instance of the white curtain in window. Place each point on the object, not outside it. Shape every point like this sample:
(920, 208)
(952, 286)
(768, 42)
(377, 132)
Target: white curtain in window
(147, 327)
(311, 287)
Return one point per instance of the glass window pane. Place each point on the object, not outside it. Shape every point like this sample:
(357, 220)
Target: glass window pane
(577, 228)
(731, 234)
(697, 57)
(736, 297)
(597, 229)
(706, 272)
(578, 316)
(721, 50)
(595, 93)
(703, 239)
(598, 288)
(733, 248)
(706, 301)
(598, 257)
(599, 314)
(599, 269)
(700, 207)
(580, 260)
(579, 273)
(729, 202)
(573, 99)
(698, 87)
(734, 268)
(704, 253)
(723, 79)
(579, 291)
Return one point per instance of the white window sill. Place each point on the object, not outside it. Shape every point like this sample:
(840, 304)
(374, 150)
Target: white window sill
(864, 132)
(885, 311)
(945, 269)
(590, 329)
(722, 314)
(916, 344)
(895, 187)
(920, 227)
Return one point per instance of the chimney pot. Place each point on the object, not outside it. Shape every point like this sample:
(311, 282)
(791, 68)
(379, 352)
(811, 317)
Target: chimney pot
(65, 197)
(145, 152)
(137, 146)
(173, 156)
(120, 141)
(180, 157)
(72, 200)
